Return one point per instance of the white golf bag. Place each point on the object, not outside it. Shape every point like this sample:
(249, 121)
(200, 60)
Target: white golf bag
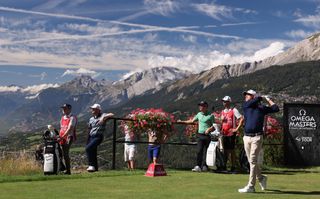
(214, 152)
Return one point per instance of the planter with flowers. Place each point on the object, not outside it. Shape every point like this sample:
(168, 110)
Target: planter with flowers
(144, 120)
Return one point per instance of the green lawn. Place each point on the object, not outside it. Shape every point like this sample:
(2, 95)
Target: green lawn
(179, 184)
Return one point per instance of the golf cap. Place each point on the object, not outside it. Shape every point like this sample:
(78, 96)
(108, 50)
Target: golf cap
(226, 99)
(203, 103)
(250, 92)
(96, 106)
(68, 106)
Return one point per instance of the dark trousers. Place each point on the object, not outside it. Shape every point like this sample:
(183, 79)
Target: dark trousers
(65, 154)
(92, 148)
(203, 142)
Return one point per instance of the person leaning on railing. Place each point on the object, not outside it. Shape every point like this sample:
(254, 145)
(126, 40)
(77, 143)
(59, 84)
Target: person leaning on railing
(206, 121)
(96, 129)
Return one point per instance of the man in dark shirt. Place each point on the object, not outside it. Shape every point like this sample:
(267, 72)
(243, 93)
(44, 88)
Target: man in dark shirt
(254, 113)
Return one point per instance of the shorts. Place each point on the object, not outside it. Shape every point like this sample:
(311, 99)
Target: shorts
(153, 151)
(229, 142)
(129, 152)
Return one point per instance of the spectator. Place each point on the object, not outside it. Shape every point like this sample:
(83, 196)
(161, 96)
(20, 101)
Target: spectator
(67, 134)
(96, 128)
(206, 121)
(229, 129)
(154, 146)
(254, 113)
(129, 148)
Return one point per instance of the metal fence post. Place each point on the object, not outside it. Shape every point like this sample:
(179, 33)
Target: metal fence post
(114, 139)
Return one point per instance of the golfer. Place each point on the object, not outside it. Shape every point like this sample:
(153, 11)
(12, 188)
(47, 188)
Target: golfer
(254, 113)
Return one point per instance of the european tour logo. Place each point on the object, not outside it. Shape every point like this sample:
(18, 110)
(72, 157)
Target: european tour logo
(303, 121)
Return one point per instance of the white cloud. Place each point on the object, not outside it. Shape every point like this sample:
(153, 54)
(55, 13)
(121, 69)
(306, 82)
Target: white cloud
(103, 45)
(312, 21)
(145, 28)
(42, 75)
(298, 34)
(272, 50)
(80, 71)
(125, 76)
(162, 7)
(189, 38)
(298, 13)
(220, 12)
(151, 37)
(30, 89)
(9, 88)
(240, 24)
(49, 5)
(215, 11)
(37, 88)
(248, 46)
(200, 62)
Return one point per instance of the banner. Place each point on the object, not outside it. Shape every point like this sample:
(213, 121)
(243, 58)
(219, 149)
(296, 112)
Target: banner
(301, 134)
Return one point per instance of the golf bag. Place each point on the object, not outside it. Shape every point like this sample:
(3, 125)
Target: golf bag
(215, 157)
(51, 154)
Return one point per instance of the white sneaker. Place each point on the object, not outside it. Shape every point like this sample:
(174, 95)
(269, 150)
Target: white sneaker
(204, 168)
(247, 189)
(263, 183)
(196, 169)
(91, 169)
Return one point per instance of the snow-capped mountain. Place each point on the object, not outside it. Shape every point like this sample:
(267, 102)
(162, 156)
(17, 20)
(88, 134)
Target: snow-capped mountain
(150, 80)
(306, 50)
(81, 92)
(84, 91)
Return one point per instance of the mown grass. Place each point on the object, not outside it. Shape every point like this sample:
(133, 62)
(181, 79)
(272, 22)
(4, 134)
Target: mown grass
(282, 183)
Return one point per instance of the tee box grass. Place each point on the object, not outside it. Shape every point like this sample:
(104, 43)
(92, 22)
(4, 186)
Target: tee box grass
(178, 184)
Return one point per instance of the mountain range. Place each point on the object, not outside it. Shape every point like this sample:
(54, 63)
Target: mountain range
(158, 87)
(21, 111)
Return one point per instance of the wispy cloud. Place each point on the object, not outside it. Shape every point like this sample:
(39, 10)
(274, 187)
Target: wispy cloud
(298, 34)
(189, 38)
(37, 88)
(311, 20)
(199, 62)
(30, 89)
(81, 71)
(240, 24)
(95, 44)
(220, 12)
(162, 7)
(146, 28)
(215, 11)
(42, 75)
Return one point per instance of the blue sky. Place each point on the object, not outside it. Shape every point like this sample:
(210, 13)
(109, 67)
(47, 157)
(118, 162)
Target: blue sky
(53, 41)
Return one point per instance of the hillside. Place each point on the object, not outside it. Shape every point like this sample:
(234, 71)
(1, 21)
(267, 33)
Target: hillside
(297, 82)
(177, 85)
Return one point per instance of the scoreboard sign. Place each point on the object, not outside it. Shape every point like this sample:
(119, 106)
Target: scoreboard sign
(302, 134)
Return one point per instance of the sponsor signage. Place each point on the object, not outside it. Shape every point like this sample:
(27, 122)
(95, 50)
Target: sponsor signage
(301, 134)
